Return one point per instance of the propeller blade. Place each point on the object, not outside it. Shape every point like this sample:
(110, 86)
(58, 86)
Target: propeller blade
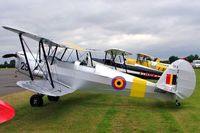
(9, 55)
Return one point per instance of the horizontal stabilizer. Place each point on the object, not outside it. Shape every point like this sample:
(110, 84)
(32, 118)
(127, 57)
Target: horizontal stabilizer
(44, 87)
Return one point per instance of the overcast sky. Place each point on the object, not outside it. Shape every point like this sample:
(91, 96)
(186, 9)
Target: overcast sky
(160, 28)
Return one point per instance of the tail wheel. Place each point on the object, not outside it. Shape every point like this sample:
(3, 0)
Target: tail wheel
(53, 98)
(178, 104)
(36, 100)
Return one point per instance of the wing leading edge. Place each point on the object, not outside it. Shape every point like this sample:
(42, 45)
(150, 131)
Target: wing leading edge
(32, 36)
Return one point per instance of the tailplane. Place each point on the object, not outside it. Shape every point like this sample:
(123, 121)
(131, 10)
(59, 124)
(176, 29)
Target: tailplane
(179, 78)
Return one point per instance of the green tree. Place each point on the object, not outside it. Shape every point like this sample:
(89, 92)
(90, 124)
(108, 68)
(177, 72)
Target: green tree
(173, 58)
(5, 63)
(196, 57)
(191, 57)
(12, 64)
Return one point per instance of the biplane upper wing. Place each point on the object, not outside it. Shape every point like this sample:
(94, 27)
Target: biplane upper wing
(47, 41)
(144, 55)
(117, 51)
(74, 46)
(79, 48)
(45, 88)
(32, 36)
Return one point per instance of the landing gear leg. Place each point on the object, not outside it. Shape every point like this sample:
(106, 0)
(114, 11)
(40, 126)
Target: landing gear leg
(36, 100)
(178, 104)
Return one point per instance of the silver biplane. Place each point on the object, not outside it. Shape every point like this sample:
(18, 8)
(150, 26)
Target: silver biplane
(117, 59)
(59, 76)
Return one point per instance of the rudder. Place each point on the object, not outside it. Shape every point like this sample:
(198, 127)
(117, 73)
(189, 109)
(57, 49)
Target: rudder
(179, 78)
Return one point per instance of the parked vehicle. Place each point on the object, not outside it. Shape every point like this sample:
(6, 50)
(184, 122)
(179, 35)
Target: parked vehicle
(196, 63)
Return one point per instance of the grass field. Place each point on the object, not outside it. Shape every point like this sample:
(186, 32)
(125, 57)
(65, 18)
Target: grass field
(91, 113)
(7, 68)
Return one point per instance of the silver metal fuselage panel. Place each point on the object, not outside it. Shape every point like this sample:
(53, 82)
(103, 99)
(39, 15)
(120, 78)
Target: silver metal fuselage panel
(99, 79)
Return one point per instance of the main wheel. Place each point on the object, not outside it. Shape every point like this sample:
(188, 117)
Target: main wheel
(36, 100)
(52, 98)
(178, 103)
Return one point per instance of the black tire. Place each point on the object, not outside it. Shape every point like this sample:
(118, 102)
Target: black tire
(52, 98)
(178, 104)
(36, 100)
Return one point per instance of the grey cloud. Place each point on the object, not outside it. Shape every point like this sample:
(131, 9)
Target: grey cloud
(95, 23)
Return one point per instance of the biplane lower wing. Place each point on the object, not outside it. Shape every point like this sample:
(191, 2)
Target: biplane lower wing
(45, 88)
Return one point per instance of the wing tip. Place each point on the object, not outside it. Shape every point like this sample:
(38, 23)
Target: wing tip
(5, 27)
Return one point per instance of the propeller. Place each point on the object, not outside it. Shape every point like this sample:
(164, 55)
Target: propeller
(9, 55)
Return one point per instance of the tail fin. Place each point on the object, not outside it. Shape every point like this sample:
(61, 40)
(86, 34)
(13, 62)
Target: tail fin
(179, 78)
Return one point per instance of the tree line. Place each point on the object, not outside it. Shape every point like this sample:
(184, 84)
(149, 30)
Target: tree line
(189, 58)
(171, 59)
(11, 64)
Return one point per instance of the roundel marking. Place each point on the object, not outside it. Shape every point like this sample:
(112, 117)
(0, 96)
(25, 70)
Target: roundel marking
(118, 83)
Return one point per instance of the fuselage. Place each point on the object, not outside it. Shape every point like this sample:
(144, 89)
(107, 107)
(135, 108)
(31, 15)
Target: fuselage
(34, 64)
(101, 79)
(133, 69)
(151, 64)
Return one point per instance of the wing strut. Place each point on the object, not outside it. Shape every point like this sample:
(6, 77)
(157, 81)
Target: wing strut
(105, 58)
(39, 52)
(124, 62)
(63, 54)
(49, 50)
(77, 55)
(113, 59)
(91, 59)
(45, 57)
(54, 55)
(23, 48)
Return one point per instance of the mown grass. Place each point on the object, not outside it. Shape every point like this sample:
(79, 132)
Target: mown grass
(7, 68)
(90, 113)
